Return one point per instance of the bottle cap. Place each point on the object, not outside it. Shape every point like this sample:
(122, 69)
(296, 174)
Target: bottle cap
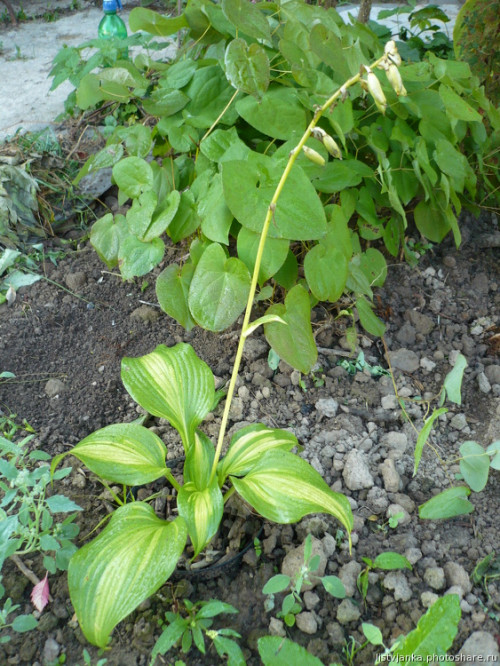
(111, 5)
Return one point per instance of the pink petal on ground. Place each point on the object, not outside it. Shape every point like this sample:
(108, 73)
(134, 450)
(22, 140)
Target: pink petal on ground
(40, 594)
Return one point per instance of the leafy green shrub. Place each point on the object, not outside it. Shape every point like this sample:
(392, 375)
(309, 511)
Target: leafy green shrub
(221, 121)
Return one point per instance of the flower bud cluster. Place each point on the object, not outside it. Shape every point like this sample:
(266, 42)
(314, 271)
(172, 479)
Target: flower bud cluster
(390, 64)
(329, 143)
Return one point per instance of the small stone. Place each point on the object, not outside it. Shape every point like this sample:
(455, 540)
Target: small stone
(426, 364)
(406, 502)
(255, 348)
(356, 473)
(377, 500)
(146, 314)
(75, 281)
(390, 476)
(276, 627)
(482, 647)
(458, 422)
(336, 633)
(51, 650)
(311, 600)
(483, 383)
(435, 578)
(480, 283)
(348, 574)
(329, 544)
(237, 409)
(406, 334)
(455, 589)
(54, 387)
(413, 555)
(294, 561)
(428, 598)
(396, 581)
(457, 575)
(27, 651)
(347, 612)
(327, 407)
(397, 441)
(389, 402)
(492, 373)
(449, 261)
(423, 323)
(404, 359)
(306, 622)
(397, 509)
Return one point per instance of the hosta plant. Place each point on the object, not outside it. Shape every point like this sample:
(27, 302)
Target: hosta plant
(219, 122)
(138, 551)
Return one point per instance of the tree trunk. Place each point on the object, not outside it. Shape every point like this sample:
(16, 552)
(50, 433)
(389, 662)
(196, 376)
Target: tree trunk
(364, 11)
(11, 11)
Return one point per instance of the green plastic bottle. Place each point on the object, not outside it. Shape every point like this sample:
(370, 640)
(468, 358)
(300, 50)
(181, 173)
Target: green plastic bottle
(111, 24)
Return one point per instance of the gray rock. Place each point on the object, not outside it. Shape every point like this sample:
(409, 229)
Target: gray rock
(347, 612)
(276, 627)
(54, 387)
(51, 650)
(458, 422)
(397, 510)
(255, 348)
(306, 622)
(406, 334)
(483, 383)
(397, 441)
(455, 589)
(396, 581)
(146, 314)
(327, 407)
(406, 502)
(75, 281)
(294, 561)
(423, 324)
(480, 283)
(482, 647)
(329, 544)
(311, 600)
(435, 578)
(336, 633)
(492, 373)
(377, 500)
(428, 598)
(413, 555)
(356, 473)
(426, 364)
(404, 359)
(457, 575)
(389, 401)
(390, 476)
(348, 574)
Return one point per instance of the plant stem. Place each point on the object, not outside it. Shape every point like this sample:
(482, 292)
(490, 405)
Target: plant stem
(263, 237)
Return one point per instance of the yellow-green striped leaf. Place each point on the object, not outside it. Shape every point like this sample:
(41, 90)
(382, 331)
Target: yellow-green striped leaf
(202, 511)
(131, 558)
(172, 383)
(199, 461)
(123, 453)
(249, 444)
(284, 488)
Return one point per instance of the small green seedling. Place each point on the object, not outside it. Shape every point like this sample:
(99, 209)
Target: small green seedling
(194, 626)
(292, 603)
(387, 561)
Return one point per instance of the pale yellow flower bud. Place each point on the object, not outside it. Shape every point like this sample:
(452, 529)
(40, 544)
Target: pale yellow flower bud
(395, 80)
(332, 146)
(313, 156)
(391, 51)
(376, 90)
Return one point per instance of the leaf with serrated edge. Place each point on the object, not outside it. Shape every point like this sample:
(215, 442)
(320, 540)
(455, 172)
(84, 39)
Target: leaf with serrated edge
(129, 560)
(202, 510)
(172, 383)
(435, 631)
(284, 488)
(249, 444)
(123, 453)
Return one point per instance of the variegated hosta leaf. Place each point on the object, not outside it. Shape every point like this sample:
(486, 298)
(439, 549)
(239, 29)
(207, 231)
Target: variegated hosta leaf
(284, 488)
(199, 460)
(172, 383)
(202, 511)
(249, 444)
(130, 559)
(123, 453)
